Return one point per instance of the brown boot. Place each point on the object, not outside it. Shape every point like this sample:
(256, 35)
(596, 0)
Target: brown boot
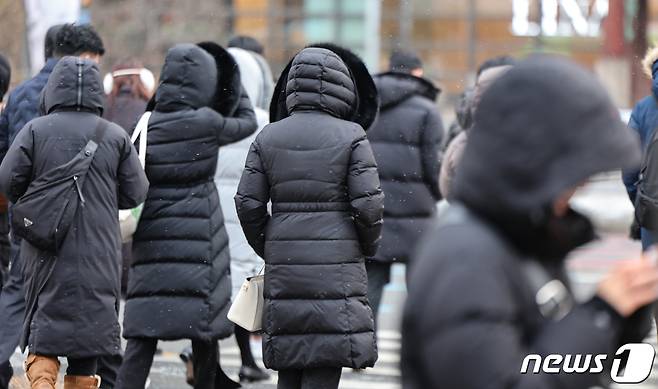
(41, 371)
(81, 382)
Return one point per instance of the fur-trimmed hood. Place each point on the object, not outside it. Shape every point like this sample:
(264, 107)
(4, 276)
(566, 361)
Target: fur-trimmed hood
(648, 61)
(367, 98)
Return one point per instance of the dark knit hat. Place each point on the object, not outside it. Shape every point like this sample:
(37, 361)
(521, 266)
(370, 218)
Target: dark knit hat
(5, 76)
(404, 61)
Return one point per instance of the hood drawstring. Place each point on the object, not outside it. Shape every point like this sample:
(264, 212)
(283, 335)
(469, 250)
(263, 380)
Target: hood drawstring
(78, 105)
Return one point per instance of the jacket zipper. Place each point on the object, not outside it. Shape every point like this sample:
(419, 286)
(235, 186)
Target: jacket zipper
(77, 187)
(79, 100)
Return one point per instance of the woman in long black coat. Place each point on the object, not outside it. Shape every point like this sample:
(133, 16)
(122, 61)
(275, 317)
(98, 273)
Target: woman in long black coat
(73, 296)
(317, 168)
(180, 285)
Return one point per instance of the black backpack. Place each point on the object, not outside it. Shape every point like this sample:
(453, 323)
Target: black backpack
(43, 215)
(646, 201)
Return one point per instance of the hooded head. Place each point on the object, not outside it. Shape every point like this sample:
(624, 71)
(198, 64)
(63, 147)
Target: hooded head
(365, 106)
(320, 81)
(250, 74)
(188, 79)
(74, 84)
(541, 129)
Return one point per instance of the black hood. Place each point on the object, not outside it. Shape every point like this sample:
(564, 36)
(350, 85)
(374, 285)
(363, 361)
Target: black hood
(229, 84)
(542, 128)
(188, 79)
(74, 83)
(366, 105)
(396, 87)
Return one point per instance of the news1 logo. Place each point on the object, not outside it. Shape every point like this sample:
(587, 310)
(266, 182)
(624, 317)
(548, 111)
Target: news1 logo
(632, 363)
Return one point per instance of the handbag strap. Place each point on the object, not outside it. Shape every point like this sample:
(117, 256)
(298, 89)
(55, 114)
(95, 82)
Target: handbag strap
(141, 132)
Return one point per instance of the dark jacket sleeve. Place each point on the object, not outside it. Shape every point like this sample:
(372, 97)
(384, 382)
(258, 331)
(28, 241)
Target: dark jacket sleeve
(365, 195)
(133, 184)
(239, 126)
(16, 167)
(251, 201)
(480, 324)
(432, 136)
(630, 176)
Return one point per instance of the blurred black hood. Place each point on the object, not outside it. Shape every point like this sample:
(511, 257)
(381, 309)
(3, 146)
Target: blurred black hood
(74, 84)
(541, 129)
(396, 87)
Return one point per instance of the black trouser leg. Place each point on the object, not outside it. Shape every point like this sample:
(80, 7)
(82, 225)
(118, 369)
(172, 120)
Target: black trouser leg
(137, 361)
(12, 306)
(108, 369)
(321, 378)
(289, 379)
(379, 274)
(206, 363)
(82, 366)
(242, 337)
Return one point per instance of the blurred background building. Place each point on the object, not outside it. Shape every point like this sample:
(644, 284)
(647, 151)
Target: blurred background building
(452, 37)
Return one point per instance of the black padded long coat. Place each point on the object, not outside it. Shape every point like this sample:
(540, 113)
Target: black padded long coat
(180, 285)
(319, 173)
(72, 296)
(406, 142)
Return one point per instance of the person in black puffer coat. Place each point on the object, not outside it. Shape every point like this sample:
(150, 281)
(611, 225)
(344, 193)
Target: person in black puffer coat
(180, 284)
(489, 284)
(317, 169)
(406, 141)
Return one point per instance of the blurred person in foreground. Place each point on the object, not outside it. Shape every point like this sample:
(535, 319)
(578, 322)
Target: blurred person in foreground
(22, 106)
(487, 73)
(314, 163)
(405, 140)
(180, 281)
(644, 120)
(72, 294)
(489, 284)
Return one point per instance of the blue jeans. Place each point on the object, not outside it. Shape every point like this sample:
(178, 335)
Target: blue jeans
(647, 238)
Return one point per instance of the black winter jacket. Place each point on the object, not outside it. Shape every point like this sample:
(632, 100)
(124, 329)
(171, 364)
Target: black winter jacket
(406, 141)
(318, 171)
(180, 286)
(472, 312)
(73, 297)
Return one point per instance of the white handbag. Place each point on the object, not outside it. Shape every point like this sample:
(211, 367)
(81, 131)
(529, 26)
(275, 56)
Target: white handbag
(247, 309)
(128, 218)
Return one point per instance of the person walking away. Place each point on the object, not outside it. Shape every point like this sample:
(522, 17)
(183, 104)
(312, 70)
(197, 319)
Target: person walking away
(72, 295)
(409, 129)
(230, 164)
(488, 72)
(317, 168)
(5, 78)
(180, 285)
(489, 284)
(644, 119)
(258, 51)
(129, 88)
(23, 106)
